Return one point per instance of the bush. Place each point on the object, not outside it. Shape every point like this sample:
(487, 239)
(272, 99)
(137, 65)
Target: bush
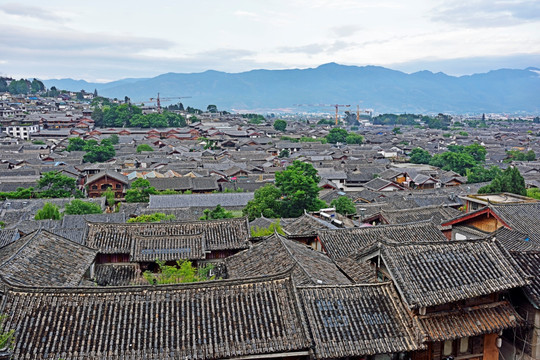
(49, 211)
(79, 207)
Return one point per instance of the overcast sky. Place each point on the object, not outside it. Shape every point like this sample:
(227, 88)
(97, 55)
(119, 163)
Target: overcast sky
(109, 40)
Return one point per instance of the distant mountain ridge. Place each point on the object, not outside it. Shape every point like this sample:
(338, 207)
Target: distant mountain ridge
(384, 90)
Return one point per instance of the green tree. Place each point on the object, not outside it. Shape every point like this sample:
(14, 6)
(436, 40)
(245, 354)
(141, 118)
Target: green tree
(7, 337)
(109, 195)
(183, 272)
(396, 130)
(257, 231)
(76, 144)
(284, 153)
(97, 116)
(155, 217)
(79, 207)
(36, 86)
(299, 188)
(212, 108)
(94, 153)
(140, 191)
(264, 203)
(144, 147)
(420, 156)
(217, 213)
(3, 85)
(479, 174)
(337, 135)
(458, 162)
(509, 181)
(114, 139)
(20, 193)
(344, 205)
(52, 184)
(533, 193)
(49, 211)
(280, 125)
(353, 138)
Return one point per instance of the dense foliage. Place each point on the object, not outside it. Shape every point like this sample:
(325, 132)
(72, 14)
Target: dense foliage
(144, 147)
(48, 211)
(182, 272)
(20, 193)
(132, 116)
(274, 227)
(79, 207)
(516, 155)
(217, 213)
(344, 205)
(440, 121)
(155, 217)
(53, 184)
(509, 181)
(338, 135)
(140, 191)
(296, 189)
(280, 125)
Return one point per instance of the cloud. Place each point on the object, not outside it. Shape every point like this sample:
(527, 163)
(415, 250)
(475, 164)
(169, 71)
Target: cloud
(14, 37)
(317, 48)
(31, 12)
(345, 30)
(224, 53)
(487, 13)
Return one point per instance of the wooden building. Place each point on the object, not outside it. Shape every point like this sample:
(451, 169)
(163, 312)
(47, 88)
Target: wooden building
(97, 184)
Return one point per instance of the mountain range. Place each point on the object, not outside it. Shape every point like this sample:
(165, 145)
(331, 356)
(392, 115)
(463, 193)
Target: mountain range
(379, 88)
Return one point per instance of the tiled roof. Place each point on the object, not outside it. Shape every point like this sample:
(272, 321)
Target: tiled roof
(109, 173)
(357, 320)
(307, 225)
(524, 218)
(530, 263)
(344, 242)
(472, 321)
(276, 254)
(514, 240)
(435, 273)
(360, 272)
(199, 200)
(209, 320)
(437, 214)
(45, 259)
(118, 274)
(7, 236)
(168, 248)
(223, 234)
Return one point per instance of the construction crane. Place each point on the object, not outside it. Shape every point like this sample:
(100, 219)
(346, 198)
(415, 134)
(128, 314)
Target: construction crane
(337, 106)
(158, 100)
(365, 111)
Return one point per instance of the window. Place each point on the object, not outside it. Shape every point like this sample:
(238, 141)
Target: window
(447, 349)
(118, 186)
(464, 345)
(94, 187)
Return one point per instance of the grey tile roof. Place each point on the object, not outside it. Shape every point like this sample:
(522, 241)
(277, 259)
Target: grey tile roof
(276, 254)
(200, 200)
(307, 225)
(530, 263)
(208, 320)
(357, 320)
(168, 248)
(344, 242)
(111, 238)
(429, 274)
(437, 214)
(45, 259)
(118, 274)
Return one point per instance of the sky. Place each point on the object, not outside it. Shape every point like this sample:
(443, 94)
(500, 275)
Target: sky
(101, 41)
